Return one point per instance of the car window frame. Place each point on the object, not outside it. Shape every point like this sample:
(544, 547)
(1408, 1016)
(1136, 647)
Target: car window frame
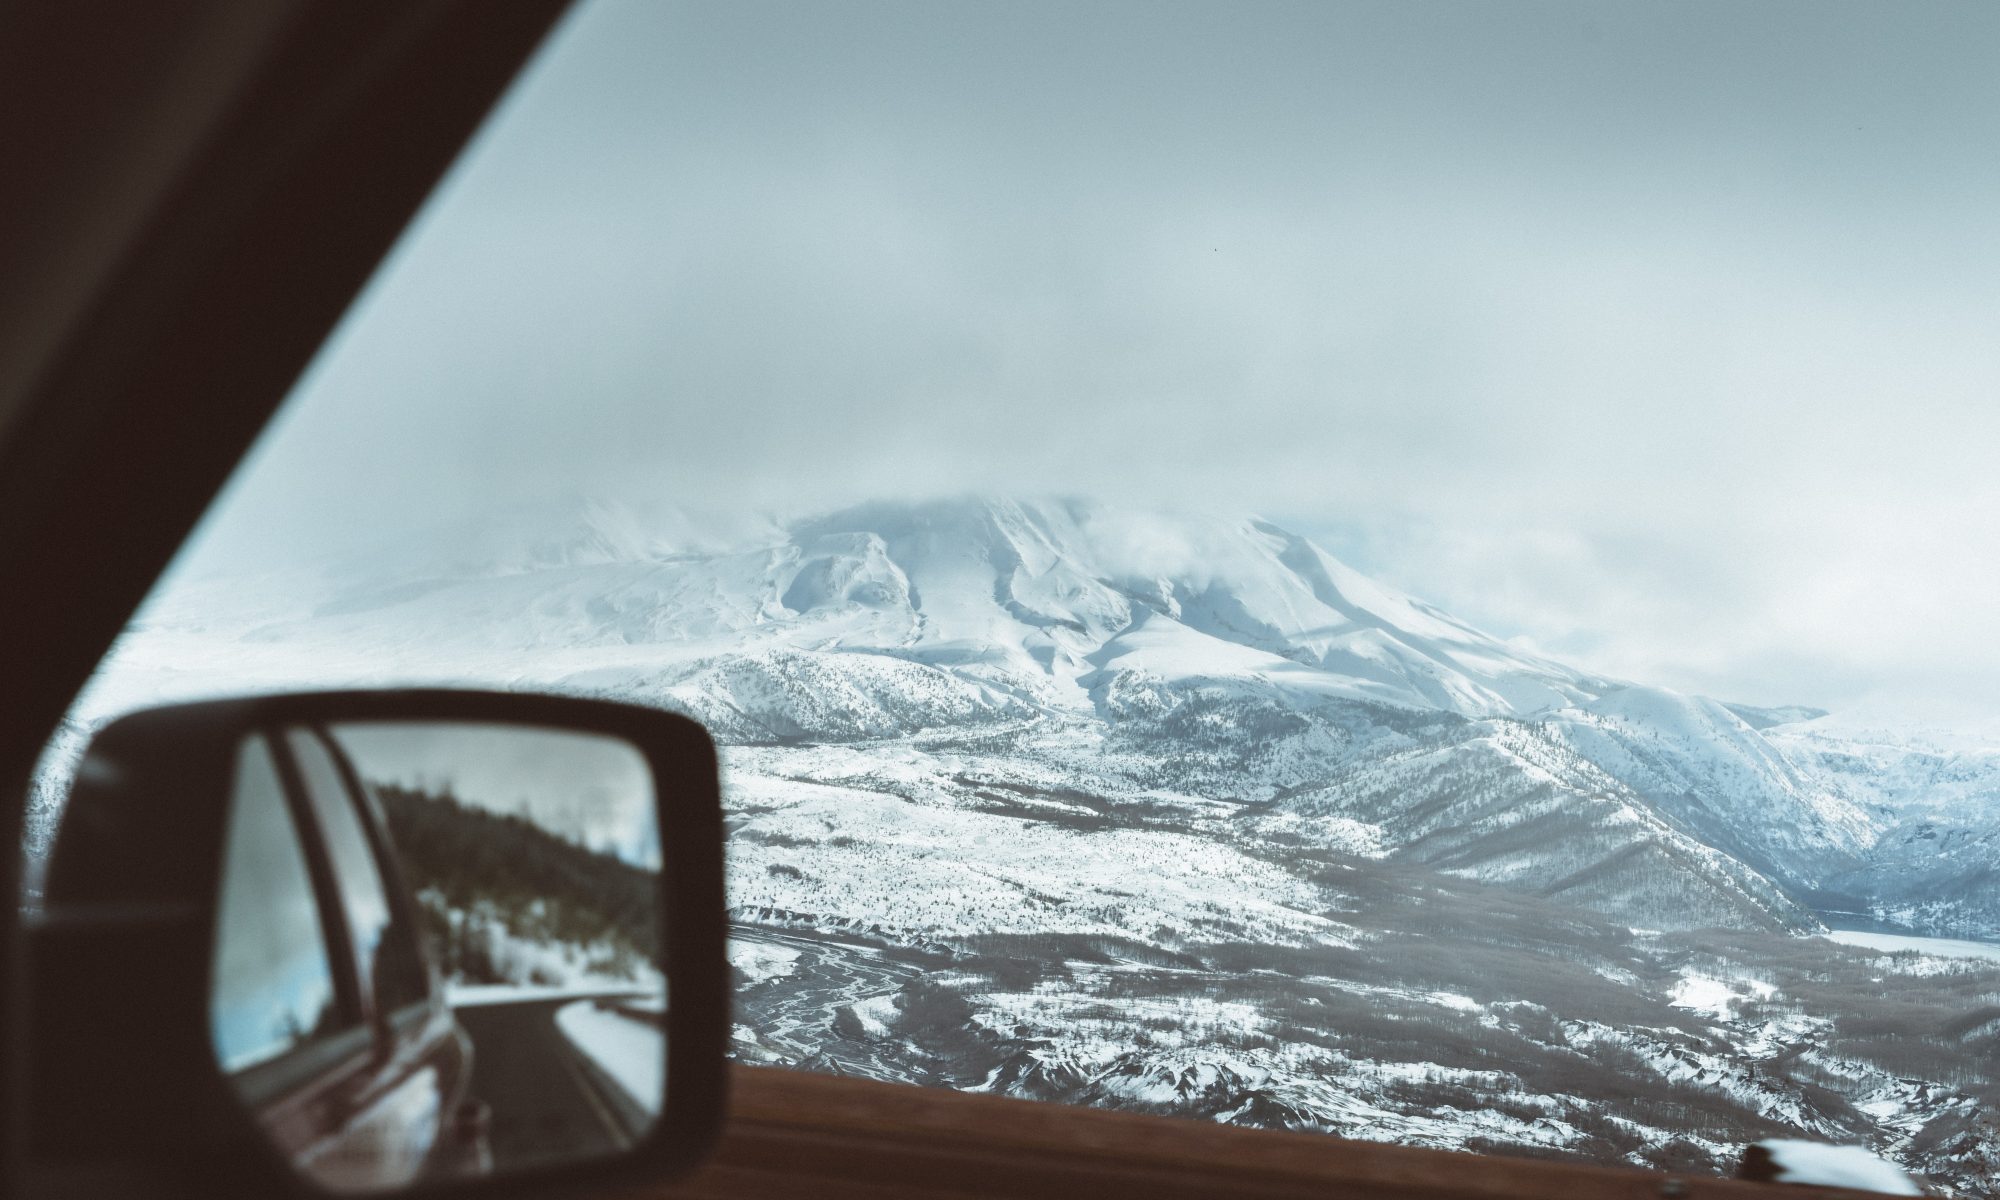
(295, 837)
(323, 1062)
(366, 987)
(405, 914)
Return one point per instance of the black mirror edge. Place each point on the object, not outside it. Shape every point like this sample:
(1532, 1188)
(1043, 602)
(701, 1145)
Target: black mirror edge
(131, 893)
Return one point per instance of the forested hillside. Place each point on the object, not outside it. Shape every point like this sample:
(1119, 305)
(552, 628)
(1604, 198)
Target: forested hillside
(506, 901)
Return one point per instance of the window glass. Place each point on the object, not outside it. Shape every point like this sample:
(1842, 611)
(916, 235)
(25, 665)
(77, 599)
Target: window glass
(1419, 571)
(387, 959)
(273, 983)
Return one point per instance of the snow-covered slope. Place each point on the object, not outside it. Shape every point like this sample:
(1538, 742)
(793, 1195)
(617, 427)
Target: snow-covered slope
(1935, 866)
(1506, 802)
(1710, 773)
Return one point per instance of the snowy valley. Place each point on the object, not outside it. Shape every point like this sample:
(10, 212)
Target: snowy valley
(1183, 814)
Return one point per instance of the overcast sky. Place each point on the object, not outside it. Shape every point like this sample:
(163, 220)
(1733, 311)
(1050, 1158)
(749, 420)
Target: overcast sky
(1665, 337)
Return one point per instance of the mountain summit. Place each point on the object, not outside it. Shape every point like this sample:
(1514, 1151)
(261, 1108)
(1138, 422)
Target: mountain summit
(1071, 588)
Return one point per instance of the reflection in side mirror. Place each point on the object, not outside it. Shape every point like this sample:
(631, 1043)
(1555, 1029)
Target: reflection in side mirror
(438, 948)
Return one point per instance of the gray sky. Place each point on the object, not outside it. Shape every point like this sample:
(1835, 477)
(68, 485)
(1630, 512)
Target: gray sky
(1663, 336)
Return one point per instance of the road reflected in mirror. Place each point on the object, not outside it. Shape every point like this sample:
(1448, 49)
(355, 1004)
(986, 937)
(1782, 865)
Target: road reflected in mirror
(437, 948)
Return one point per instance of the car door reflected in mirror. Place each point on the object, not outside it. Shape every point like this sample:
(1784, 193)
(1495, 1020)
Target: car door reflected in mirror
(437, 948)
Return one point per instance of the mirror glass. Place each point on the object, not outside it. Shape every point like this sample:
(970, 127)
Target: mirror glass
(437, 948)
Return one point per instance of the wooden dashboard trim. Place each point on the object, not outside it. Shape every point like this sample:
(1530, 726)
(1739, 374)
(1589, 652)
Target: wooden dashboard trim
(791, 1133)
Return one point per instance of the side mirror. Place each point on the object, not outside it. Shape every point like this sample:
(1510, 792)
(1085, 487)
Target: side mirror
(385, 941)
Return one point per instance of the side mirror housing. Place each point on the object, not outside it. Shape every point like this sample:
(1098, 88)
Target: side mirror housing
(449, 942)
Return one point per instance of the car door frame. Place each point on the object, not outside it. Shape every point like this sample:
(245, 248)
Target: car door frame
(196, 193)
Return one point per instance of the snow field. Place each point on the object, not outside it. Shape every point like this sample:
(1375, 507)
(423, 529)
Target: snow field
(924, 872)
(761, 962)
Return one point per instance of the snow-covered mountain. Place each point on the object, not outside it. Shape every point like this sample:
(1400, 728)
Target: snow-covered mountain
(1226, 657)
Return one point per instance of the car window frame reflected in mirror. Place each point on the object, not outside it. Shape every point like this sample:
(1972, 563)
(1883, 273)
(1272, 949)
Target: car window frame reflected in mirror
(263, 830)
(134, 888)
(317, 1099)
